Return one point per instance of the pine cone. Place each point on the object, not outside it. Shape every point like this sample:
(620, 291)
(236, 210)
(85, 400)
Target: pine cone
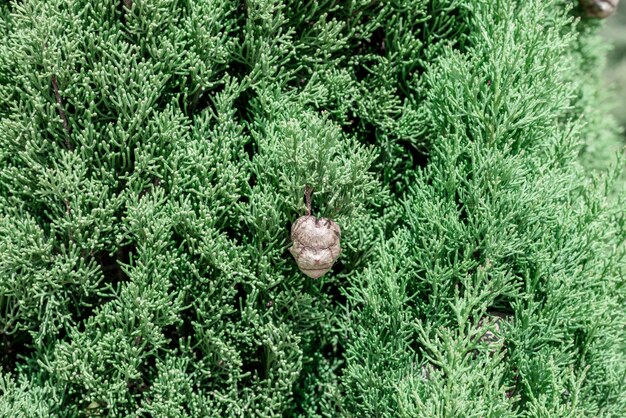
(315, 244)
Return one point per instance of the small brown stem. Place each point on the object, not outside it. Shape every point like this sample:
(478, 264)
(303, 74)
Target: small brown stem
(68, 212)
(308, 191)
(127, 5)
(57, 95)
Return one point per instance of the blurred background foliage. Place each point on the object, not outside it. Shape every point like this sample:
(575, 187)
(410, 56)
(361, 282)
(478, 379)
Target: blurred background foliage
(615, 32)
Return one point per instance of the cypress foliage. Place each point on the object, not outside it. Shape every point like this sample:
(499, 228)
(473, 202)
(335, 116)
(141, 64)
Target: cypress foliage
(154, 154)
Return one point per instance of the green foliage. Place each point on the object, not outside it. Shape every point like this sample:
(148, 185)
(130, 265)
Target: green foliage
(154, 154)
(24, 400)
(615, 74)
(487, 231)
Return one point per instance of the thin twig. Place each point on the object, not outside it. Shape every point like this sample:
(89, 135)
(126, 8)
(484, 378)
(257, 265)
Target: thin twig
(68, 212)
(308, 191)
(128, 4)
(57, 95)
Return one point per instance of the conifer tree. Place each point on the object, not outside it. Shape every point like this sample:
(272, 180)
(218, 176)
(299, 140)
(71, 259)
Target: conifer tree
(154, 155)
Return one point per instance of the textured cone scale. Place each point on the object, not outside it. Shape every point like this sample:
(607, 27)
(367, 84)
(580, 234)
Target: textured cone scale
(599, 8)
(315, 244)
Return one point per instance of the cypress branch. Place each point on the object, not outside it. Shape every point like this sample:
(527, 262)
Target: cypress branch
(57, 95)
(462, 146)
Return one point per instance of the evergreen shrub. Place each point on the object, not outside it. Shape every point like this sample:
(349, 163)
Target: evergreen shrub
(154, 154)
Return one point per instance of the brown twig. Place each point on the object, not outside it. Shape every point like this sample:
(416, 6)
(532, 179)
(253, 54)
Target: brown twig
(127, 5)
(308, 191)
(68, 212)
(57, 95)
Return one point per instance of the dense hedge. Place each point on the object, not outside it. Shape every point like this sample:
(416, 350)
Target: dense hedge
(153, 155)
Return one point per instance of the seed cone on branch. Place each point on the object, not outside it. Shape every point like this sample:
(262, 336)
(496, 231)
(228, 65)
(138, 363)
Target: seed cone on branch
(315, 242)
